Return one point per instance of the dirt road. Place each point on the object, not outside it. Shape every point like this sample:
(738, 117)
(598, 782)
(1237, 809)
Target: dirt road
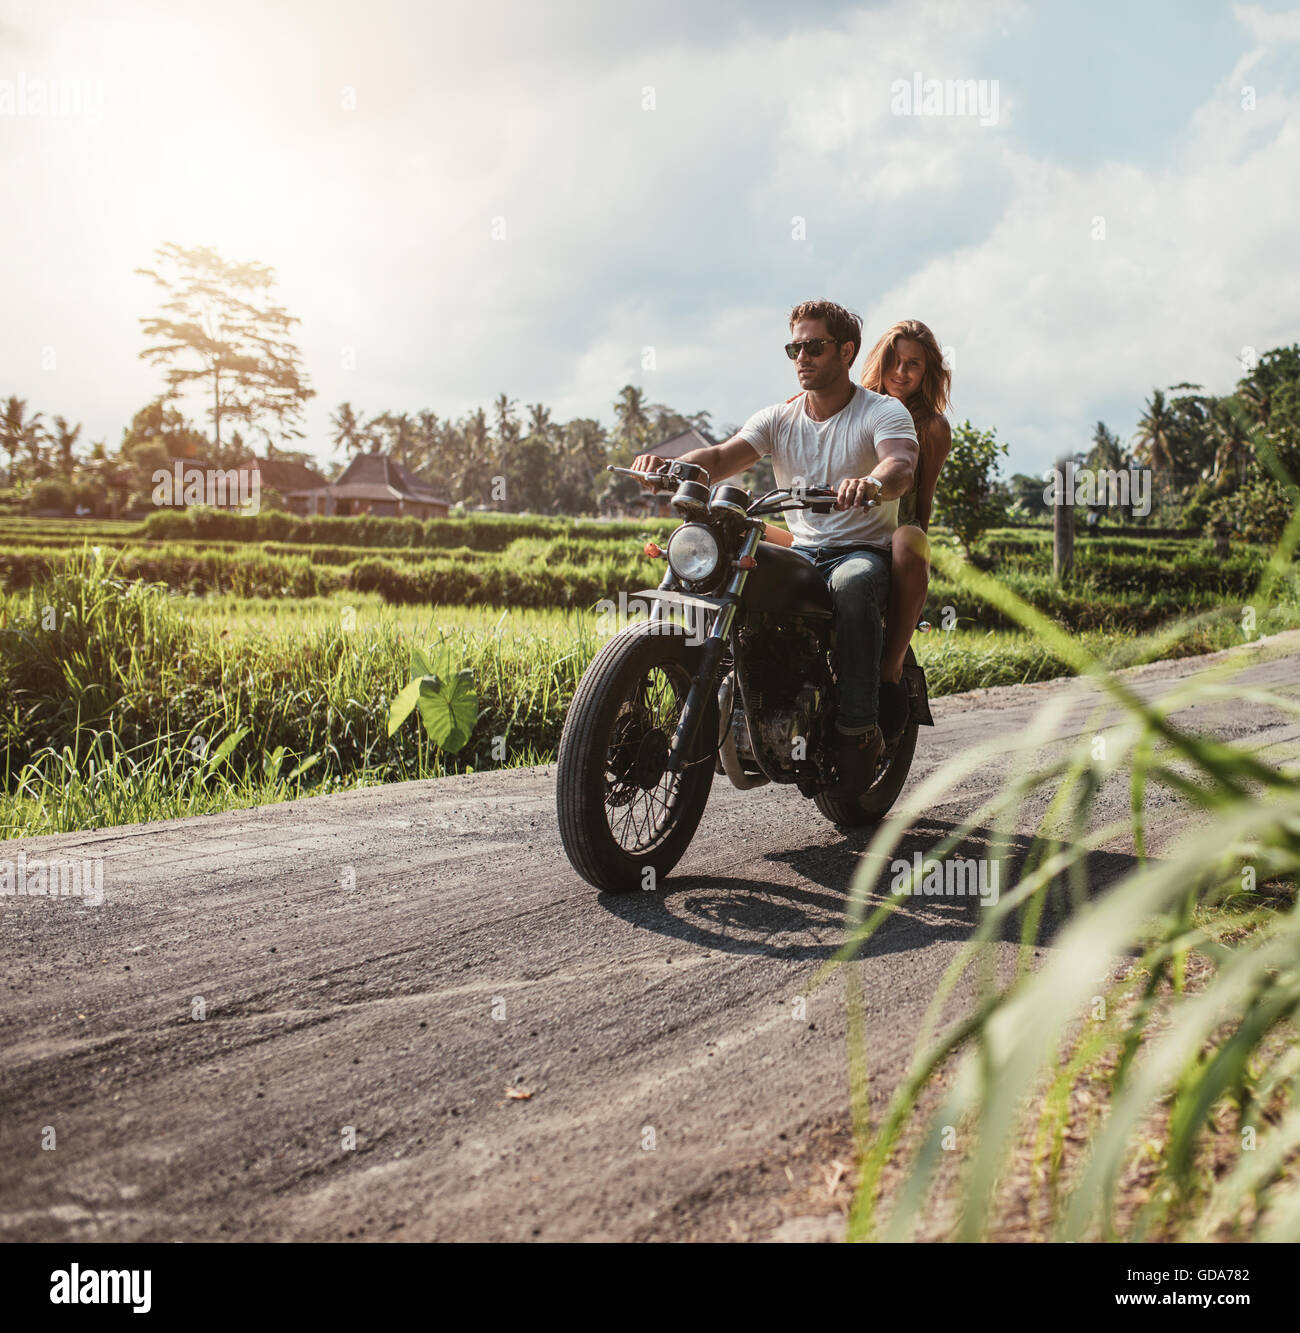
(397, 1013)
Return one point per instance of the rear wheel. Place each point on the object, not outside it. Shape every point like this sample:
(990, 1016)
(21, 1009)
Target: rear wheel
(891, 772)
(876, 801)
(620, 812)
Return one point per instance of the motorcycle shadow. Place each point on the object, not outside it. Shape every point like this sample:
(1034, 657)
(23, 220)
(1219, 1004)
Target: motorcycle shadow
(801, 911)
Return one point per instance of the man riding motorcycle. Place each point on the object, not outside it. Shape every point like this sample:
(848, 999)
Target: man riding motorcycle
(864, 445)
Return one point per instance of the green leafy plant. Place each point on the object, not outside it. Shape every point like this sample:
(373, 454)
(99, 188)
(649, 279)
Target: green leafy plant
(966, 496)
(53, 493)
(445, 697)
(1256, 512)
(273, 761)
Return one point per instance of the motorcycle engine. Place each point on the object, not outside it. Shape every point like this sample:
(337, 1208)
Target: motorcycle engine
(785, 680)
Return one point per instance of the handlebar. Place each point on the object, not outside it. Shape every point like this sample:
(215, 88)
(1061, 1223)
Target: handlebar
(817, 498)
(820, 499)
(662, 480)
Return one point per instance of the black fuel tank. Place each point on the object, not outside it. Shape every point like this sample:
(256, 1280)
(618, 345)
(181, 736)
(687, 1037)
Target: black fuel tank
(784, 583)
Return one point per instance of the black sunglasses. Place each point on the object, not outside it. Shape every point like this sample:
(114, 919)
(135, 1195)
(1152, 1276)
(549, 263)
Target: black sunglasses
(815, 346)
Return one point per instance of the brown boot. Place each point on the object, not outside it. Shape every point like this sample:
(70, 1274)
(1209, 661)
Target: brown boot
(855, 763)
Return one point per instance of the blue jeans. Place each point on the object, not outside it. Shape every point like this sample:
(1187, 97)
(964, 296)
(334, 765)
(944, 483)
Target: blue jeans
(858, 577)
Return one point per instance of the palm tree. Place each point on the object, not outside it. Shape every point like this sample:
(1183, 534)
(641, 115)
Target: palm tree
(1235, 449)
(633, 427)
(430, 463)
(65, 441)
(1106, 452)
(664, 423)
(397, 431)
(506, 432)
(114, 477)
(1191, 431)
(632, 418)
(1151, 443)
(406, 439)
(505, 426)
(18, 431)
(582, 445)
(1255, 398)
(539, 421)
(503, 415)
(471, 468)
(347, 431)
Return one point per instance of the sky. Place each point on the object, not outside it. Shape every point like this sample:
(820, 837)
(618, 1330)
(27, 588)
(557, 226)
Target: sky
(555, 199)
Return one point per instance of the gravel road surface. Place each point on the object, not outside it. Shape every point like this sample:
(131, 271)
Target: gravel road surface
(397, 1013)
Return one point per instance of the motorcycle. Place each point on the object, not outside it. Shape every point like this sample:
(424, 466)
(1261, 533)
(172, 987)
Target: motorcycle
(732, 673)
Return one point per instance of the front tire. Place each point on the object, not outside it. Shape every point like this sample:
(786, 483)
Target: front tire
(619, 812)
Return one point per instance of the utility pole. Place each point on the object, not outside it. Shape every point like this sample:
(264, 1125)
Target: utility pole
(1062, 526)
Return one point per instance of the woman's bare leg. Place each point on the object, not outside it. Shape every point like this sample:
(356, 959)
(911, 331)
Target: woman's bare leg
(909, 583)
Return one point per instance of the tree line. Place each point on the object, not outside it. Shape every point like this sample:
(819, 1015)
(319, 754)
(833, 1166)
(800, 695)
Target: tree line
(1231, 460)
(497, 458)
(506, 458)
(220, 333)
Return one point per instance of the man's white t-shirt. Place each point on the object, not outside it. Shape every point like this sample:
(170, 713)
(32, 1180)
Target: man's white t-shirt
(824, 453)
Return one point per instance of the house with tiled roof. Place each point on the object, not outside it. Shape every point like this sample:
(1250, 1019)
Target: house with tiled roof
(229, 487)
(285, 475)
(371, 484)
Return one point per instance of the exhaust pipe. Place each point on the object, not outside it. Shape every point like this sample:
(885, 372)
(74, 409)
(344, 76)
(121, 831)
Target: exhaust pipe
(727, 756)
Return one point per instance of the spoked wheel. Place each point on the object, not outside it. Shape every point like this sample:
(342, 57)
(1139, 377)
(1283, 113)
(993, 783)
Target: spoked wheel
(620, 811)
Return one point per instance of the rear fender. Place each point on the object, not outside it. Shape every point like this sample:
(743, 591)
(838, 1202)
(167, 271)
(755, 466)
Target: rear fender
(918, 695)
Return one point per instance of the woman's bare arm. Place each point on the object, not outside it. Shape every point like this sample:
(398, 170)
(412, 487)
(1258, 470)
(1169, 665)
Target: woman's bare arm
(935, 447)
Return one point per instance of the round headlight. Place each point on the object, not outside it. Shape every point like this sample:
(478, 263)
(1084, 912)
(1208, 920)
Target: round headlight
(693, 552)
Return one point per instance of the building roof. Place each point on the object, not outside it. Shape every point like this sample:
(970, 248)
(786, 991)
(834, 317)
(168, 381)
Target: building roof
(362, 491)
(384, 470)
(676, 445)
(376, 477)
(283, 474)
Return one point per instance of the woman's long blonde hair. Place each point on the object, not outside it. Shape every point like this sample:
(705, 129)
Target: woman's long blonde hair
(931, 399)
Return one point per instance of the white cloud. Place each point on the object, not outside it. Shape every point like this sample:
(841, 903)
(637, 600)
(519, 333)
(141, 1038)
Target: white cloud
(1267, 27)
(628, 228)
(1054, 329)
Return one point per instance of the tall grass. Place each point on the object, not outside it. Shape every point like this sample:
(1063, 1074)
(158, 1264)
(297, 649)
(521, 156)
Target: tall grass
(1189, 1046)
(1119, 584)
(99, 669)
(111, 679)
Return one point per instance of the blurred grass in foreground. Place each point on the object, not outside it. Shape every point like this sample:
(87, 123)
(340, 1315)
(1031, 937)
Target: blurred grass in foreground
(1187, 1055)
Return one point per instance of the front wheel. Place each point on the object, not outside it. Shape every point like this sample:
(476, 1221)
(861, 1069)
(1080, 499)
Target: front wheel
(620, 812)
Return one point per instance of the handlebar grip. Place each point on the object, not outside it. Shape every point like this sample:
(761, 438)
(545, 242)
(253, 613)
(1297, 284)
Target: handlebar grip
(828, 494)
(655, 479)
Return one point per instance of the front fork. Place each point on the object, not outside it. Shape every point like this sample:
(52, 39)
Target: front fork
(703, 686)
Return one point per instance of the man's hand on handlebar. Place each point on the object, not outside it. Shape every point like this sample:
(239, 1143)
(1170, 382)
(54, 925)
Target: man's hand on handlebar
(649, 463)
(858, 491)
